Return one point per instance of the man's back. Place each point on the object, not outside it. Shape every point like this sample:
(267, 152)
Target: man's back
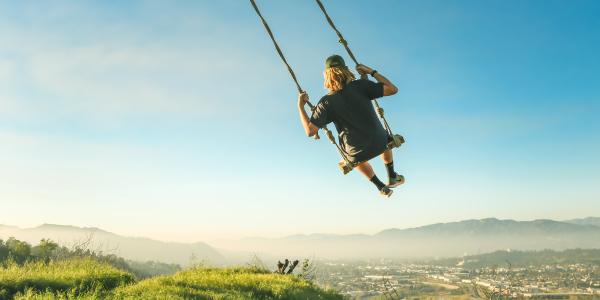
(351, 110)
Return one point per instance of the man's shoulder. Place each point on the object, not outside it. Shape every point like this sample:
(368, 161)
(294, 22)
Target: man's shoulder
(325, 99)
(358, 83)
(361, 81)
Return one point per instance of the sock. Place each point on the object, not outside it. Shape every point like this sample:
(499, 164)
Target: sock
(390, 170)
(377, 182)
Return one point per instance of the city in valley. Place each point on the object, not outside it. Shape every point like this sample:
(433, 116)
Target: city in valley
(383, 279)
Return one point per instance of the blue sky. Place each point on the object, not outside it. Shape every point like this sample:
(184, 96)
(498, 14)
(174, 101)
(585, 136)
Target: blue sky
(178, 121)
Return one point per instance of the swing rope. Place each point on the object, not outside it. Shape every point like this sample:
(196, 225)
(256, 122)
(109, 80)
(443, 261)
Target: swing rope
(300, 90)
(345, 44)
(268, 29)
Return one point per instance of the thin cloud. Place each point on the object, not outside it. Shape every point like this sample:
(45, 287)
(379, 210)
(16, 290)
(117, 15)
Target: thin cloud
(132, 74)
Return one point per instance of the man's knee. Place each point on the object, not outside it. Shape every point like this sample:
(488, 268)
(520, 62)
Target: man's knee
(387, 156)
(364, 165)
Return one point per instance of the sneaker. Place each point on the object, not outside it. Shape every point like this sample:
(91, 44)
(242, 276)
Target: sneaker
(396, 181)
(386, 191)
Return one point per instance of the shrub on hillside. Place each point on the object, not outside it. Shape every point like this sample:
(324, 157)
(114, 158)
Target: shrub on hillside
(14, 251)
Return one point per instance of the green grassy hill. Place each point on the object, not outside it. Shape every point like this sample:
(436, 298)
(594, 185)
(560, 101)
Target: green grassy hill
(77, 275)
(89, 279)
(235, 283)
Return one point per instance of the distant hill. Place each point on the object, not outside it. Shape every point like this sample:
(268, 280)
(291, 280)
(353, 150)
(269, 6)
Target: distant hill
(436, 240)
(134, 248)
(489, 226)
(593, 221)
(524, 258)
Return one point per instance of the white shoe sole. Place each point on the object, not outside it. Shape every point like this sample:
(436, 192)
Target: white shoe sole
(388, 195)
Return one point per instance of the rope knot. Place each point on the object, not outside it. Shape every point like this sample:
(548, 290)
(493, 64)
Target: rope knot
(343, 42)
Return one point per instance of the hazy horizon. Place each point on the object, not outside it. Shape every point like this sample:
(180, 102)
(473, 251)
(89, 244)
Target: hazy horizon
(177, 121)
(291, 234)
(453, 239)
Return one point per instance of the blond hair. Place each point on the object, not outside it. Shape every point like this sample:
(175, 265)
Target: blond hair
(336, 78)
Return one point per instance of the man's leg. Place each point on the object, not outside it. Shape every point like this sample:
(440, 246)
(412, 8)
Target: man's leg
(394, 179)
(387, 156)
(366, 169)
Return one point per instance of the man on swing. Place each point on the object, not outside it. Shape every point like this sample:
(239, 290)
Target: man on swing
(348, 106)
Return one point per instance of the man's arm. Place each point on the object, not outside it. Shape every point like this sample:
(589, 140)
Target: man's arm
(309, 128)
(388, 87)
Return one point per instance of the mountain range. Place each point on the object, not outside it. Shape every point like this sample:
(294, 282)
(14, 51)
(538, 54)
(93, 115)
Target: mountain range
(134, 248)
(435, 240)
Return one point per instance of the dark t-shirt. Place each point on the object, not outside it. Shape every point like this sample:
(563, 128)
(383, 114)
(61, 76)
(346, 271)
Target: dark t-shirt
(360, 132)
